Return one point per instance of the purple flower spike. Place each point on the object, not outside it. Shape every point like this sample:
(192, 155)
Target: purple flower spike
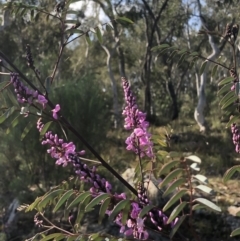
(55, 111)
(139, 140)
(236, 137)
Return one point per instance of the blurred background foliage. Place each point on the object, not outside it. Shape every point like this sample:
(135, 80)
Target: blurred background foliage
(165, 89)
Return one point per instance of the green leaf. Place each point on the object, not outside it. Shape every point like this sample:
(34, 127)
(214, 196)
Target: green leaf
(125, 19)
(230, 172)
(194, 54)
(7, 113)
(110, 25)
(176, 211)
(226, 81)
(226, 97)
(62, 200)
(103, 209)
(125, 213)
(174, 199)
(224, 89)
(145, 210)
(48, 197)
(12, 97)
(27, 128)
(173, 154)
(198, 206)
(176, 227)
(232, 120)
(78, 199)
(229, 102)
(195, 167)
(183, 51)
(13, 124)
(44, 129)
(205, 189)
(181, 59)
(52, 236)
(235, 232)
(96, 201)
(173, 186)
(194, 159)
(88, 40)
(120, 206)
(162, 46)
(170, 177)
(203, 66)
(208, 204)
(4, 84)
(99, 35)
(34, 204)
(166, 167)
(214, 70)
(201, 178)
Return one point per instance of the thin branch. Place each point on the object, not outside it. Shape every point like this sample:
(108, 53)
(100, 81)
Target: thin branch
(72, 129)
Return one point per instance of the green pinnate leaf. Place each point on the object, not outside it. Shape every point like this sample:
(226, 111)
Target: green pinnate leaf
(230, 172)
(167, 167)
(174, 199)
(229, 102)
(176, 211)
(34, 204)
(13, 124)
(160, 47)
(49, 197)
(177, 183)
(235, 232)
(172, 175)
(103, 209)
(208, 204)
(125, 19)
(96, 201)
(232, 120)
(194, 54)
(99, 34)
(53, 236)
(224, 89)
(116, 210)
(226, 81)
(45, 129)
(78, 199)
(203, 67)
(226, 97)
(125, 213)
(214, 70)
(198, 206)
(177, 225)
(201, 178)
(205, 189)
(27, 129)
(63, 199)
(194, 158)
(7, 113)
(145, 210)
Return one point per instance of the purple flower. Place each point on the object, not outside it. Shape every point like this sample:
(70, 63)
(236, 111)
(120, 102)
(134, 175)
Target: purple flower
(24, 94)
(55, 111)
(135, 120)
(236, 137)
(42, 100)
